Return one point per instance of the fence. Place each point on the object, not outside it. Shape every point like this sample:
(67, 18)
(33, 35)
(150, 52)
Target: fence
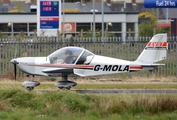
(111, 47)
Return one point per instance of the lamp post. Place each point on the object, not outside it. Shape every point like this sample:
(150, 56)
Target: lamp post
(94, 20)
(102, 12)
(63, 20)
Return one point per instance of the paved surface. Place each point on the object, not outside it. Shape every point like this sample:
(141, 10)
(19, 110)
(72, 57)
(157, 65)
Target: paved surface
(125, 91)
(146, 91)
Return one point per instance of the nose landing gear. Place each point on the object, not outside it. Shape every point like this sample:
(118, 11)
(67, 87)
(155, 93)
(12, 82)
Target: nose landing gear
(30, 84)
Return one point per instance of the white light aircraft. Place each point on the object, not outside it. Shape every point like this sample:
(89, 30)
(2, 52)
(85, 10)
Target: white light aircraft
(81, 62)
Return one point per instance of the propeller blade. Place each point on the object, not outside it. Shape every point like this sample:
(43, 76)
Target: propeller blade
(15, 71)
(14, 61)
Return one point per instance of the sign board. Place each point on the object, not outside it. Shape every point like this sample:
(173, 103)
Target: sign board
(68, 27)
(48, 17)
(160, 3)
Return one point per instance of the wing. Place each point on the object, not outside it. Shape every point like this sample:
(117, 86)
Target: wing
(57, 71)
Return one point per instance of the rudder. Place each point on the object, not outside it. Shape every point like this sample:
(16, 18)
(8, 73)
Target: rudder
(155, 50)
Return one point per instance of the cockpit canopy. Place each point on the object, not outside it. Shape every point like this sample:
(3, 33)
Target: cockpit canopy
(71, 55)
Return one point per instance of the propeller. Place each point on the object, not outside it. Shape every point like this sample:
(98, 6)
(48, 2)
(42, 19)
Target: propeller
(15, 71)
(14, 61)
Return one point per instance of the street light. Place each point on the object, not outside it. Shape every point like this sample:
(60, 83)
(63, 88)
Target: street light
(63, 20)
(102, 12)
(94, 20)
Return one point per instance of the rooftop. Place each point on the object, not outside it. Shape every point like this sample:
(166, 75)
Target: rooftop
(114, 5)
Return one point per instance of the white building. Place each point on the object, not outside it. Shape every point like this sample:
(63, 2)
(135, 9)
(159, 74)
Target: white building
(122, 23)
(118, 23)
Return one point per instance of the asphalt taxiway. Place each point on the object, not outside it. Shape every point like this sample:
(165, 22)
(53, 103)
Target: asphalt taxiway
(120, 91)
(125, 91)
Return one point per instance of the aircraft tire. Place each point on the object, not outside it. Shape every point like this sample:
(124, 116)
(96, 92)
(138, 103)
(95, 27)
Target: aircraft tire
(64, 88)
(68, 88)
(29, 88)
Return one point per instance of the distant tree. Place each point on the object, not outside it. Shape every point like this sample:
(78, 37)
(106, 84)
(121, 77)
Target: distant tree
(163, 30)
(147, 15)
(147, 28)
(150, 28)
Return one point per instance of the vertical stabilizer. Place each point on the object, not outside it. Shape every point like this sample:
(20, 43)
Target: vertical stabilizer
(155, 50)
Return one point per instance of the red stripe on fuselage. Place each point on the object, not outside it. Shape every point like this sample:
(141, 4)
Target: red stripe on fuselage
(136, 67)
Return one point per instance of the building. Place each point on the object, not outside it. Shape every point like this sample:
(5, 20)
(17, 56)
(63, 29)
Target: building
(121, 23)
(118, 23)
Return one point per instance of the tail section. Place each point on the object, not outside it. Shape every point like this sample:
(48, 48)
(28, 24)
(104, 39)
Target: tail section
(155, 50)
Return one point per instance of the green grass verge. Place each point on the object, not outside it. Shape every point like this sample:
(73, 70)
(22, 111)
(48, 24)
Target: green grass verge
(66, 105)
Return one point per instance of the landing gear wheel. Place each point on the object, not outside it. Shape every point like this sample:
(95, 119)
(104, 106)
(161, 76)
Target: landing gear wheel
(29, 88)
(65, 84)
(68, 88)
(64, 88)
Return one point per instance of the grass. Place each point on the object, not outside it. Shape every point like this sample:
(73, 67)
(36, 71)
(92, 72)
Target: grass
(95, 85)
(18, 104)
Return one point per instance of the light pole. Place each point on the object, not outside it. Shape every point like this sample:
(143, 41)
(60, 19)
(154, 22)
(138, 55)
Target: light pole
(63, 20)
(94, 20)
(102, 4)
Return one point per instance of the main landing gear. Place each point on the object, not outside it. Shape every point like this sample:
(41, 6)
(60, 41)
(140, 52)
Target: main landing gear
(65, 83)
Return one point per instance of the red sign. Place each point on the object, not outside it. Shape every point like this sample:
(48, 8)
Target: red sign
(49, 19)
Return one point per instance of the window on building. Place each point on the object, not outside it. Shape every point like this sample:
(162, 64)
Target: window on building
(32, 27)
(114, 26)
(20, 27)
(84, 26)
(131, 27)
(5, 9)
(5, 27)
(98, 26)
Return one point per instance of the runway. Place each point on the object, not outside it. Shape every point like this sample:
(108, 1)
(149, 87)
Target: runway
(125, 91)
(119, 91)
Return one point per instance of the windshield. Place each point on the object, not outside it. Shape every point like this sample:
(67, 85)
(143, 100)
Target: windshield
(85, 57)
(71, 55)
(66, 55)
